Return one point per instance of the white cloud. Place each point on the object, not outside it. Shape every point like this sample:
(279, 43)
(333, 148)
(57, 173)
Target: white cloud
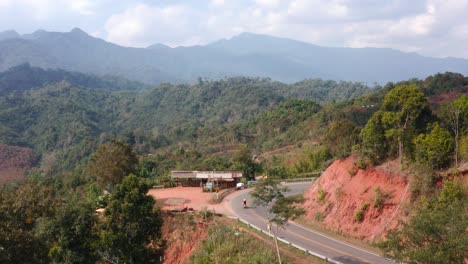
(317, 10)
(46, 9)
(217, 2)
(270, 4)
(419, 25)
(83, 7)
(143, 25)
(5, 3)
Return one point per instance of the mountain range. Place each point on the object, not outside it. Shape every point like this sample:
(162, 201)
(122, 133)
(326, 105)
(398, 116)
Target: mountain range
(246, 54)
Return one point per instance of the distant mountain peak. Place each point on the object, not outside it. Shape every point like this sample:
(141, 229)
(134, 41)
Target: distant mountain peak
(158, 46)
(258, 36)
(39, 31)
(250, 34)
(35, 35)
(78, 31)
(9, 34)
(43, 34)
(246, 54)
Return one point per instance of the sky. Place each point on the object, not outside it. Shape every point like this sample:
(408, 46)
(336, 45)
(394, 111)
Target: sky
(437, 28)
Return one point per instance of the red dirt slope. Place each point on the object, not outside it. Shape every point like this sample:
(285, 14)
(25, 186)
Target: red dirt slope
(183, 235)
(14, 163)
(346, 194)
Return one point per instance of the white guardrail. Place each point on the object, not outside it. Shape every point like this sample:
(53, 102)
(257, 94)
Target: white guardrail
(287, 242)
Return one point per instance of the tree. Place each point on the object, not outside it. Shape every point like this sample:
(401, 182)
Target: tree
(436, 234)
(70, 232)
(21, 210)
(243, 160)
(130, 223)
(434, 149)
(279, 209)
(401, 108)
(111, 163)
(341, 136)
(374, 145)
(463, 148)
(457, 117)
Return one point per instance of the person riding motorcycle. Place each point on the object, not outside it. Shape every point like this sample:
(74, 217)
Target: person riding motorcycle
(244, 203)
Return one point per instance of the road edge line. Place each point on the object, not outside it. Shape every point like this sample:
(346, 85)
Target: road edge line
(286, 242)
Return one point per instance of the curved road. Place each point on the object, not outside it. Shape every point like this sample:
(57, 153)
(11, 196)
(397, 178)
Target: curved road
(311, 240)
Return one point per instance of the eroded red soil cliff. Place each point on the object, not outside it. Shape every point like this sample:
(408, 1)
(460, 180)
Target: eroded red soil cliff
(343, 189)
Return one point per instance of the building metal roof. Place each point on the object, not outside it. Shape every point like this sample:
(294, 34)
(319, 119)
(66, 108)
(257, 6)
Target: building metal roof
(206, 174)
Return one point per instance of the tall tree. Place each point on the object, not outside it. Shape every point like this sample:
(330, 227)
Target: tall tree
(111, 163)
(457, 116)
(21, 210)
(341, 136)
(243, 160)
(70, 232)
(374, 145)
(434, 149)
(130, 223)
(401, 108)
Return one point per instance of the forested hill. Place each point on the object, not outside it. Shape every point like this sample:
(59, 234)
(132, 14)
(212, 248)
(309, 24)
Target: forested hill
(230, 101)
(64, 116)
(64, 121)
(24, 77)
(247, 54)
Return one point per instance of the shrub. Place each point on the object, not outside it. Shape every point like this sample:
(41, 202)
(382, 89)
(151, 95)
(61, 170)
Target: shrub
(352, 171)
(359, 215)
(225, 244)
(362, 163)
(318, 217)
(205, 213)
(378, 199)
(321, 195)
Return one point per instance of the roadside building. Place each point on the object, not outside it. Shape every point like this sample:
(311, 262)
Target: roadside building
(210, 180)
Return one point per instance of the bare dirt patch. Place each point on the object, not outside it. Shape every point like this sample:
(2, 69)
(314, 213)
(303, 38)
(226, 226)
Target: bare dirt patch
(15, 162)
(190, 197)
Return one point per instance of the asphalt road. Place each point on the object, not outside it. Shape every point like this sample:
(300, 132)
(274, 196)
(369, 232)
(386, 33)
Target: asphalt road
(311, 240)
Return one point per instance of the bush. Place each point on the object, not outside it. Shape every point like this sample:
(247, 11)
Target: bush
(226, 244)
(352, 171)
(318, 217)
(205, 213)
(362, 163)
(378, 199)
(436, 233)
(321, 195)
(359, 215)
(435, 148)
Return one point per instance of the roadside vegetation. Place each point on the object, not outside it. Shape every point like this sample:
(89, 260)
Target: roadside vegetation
(229, 241)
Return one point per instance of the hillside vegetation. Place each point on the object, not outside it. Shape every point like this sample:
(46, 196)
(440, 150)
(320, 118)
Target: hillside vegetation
(64, 116)
(81, 133)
